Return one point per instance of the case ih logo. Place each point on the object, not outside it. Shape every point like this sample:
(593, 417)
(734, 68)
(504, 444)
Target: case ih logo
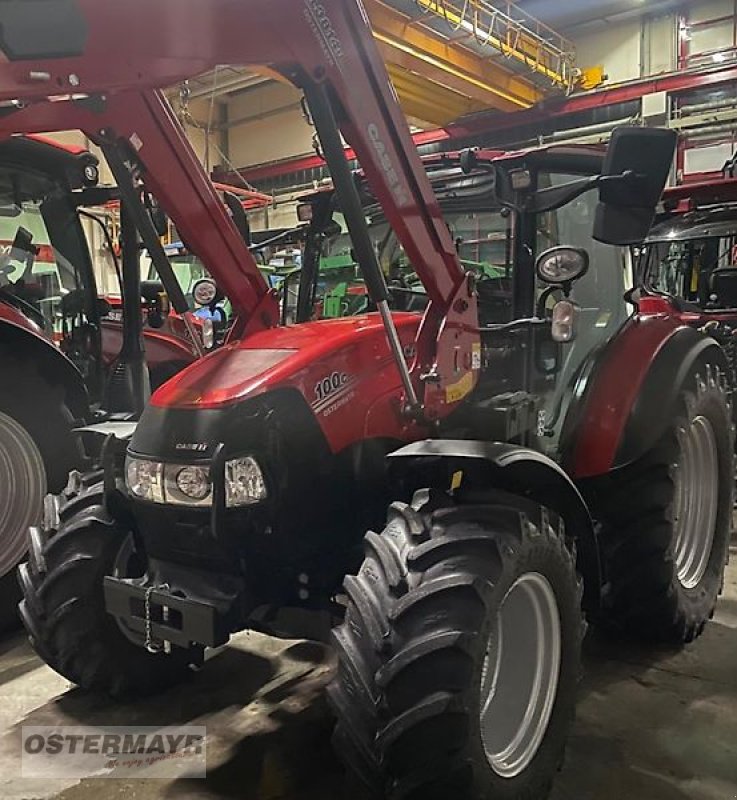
(323, 29)
(401, 198)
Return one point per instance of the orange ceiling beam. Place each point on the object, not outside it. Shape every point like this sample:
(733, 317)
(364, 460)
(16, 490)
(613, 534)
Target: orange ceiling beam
(416, 49)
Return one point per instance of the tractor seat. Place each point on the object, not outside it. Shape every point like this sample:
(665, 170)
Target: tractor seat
(724, 286)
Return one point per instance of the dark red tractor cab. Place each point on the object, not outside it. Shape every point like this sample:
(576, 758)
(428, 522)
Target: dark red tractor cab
(62, 348)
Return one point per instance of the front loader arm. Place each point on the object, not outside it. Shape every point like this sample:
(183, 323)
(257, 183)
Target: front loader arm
(320, 42)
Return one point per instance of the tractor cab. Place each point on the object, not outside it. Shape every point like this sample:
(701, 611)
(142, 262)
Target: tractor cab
(47, 284)
(690, 254)
(689, 259)
(558, 321)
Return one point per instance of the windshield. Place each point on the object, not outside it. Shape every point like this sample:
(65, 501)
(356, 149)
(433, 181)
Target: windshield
(599, 291)
(188, 269)
(34, 276)
(599, 294)
(685, 269)
(482, 239)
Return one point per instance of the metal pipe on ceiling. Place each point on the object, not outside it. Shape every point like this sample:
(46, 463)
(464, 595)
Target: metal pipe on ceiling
(710, 130)
(588, 130)
(697, 108)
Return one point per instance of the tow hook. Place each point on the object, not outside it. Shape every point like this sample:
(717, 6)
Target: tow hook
(151, 645)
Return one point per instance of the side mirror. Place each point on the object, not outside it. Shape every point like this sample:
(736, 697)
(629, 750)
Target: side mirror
(156, 301)
(634, 174)
(151, 291)
(561, 266)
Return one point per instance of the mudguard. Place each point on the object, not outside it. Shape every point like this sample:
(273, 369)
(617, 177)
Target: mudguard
(511, 468)
(631, 395)
(23, 337)
(655, 405)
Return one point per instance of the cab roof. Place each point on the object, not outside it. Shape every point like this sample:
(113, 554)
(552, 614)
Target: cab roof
(699, 224)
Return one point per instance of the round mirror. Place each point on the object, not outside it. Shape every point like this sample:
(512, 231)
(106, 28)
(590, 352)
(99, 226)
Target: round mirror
(204, 292)
(562, 265)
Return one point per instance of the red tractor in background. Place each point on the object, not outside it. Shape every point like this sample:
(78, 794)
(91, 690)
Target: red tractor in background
(527, 481)
(690, 259)
(60, 341)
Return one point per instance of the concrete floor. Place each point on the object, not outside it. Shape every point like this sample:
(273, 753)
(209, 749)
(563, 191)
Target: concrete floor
(651, 726)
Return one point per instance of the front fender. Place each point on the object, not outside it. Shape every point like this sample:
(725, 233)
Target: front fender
(25, 339)
(511, 468)
(631, 395)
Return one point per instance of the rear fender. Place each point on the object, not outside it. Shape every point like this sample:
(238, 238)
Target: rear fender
(627, 410)
(511, 468)
(23, 341)
(656, 404)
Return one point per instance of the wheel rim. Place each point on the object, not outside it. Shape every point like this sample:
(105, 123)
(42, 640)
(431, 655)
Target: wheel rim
(22, 490)
(519, 678)
(696, 501)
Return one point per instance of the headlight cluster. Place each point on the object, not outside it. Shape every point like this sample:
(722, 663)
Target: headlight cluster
(191, 484)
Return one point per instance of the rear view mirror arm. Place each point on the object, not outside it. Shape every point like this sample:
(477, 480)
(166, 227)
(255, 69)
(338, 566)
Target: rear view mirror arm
(557, 196)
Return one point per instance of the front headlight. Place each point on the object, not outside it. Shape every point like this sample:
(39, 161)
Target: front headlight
(191, 484)
(145, 479)
(187, 485)
(244, 482)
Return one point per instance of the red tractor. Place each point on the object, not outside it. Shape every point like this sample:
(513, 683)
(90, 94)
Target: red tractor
(545, 451)
(59, 339)
(689, 259)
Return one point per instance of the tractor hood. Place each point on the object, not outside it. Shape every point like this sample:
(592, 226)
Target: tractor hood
(340, 370)
(285, 356)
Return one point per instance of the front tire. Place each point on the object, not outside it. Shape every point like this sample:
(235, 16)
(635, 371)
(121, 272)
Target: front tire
(23, 486)
(63, 607)
(37, 451)
(459, 656)
(666, 520)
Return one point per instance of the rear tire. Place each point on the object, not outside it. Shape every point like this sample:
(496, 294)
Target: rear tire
(37, 451)
(666, 521)
(63, 607)
(442, 622)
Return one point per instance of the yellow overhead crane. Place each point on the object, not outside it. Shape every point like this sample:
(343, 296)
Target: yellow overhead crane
(447, 58)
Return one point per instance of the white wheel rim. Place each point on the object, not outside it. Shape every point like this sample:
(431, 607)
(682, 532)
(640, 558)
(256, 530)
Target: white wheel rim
(696, 501)
(22, 490)
(519, 678)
